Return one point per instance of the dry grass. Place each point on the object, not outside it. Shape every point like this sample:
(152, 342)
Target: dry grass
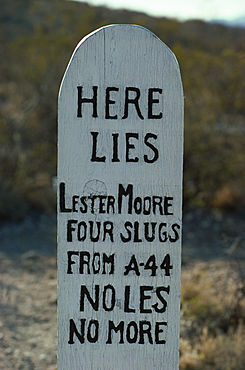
(213, 317)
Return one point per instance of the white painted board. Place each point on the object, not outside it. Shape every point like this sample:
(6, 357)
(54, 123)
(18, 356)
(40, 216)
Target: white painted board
(120, 150)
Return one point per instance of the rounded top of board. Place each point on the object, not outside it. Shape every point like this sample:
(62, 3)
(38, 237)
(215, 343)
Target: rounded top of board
(125, 30)
(124, 51)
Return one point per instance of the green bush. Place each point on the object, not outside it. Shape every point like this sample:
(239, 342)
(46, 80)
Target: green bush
(37, 41)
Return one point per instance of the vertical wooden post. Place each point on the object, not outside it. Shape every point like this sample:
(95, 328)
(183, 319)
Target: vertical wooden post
(120, 150)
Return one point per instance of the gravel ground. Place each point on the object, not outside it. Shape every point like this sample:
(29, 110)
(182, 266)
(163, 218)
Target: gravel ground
(28, 279)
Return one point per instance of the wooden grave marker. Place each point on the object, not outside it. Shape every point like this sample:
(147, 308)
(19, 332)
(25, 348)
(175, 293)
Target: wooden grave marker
(120, 150)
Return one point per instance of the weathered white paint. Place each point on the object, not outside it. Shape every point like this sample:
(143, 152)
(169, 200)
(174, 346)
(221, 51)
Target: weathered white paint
(120, 56)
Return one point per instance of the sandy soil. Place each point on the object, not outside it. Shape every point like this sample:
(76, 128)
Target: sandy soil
(28, 296)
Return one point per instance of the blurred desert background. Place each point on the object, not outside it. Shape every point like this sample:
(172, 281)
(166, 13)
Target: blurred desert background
(37, 40)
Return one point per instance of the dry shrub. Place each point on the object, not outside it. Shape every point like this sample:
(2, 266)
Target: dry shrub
(213, 317)
(38, 192)
(189, 356)
(226, 351)
(228, 198)
(12, 206)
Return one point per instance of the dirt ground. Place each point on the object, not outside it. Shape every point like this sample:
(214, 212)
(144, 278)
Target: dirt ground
(28, 338)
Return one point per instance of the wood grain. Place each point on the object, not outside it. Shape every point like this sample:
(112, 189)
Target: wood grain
(120, 203)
